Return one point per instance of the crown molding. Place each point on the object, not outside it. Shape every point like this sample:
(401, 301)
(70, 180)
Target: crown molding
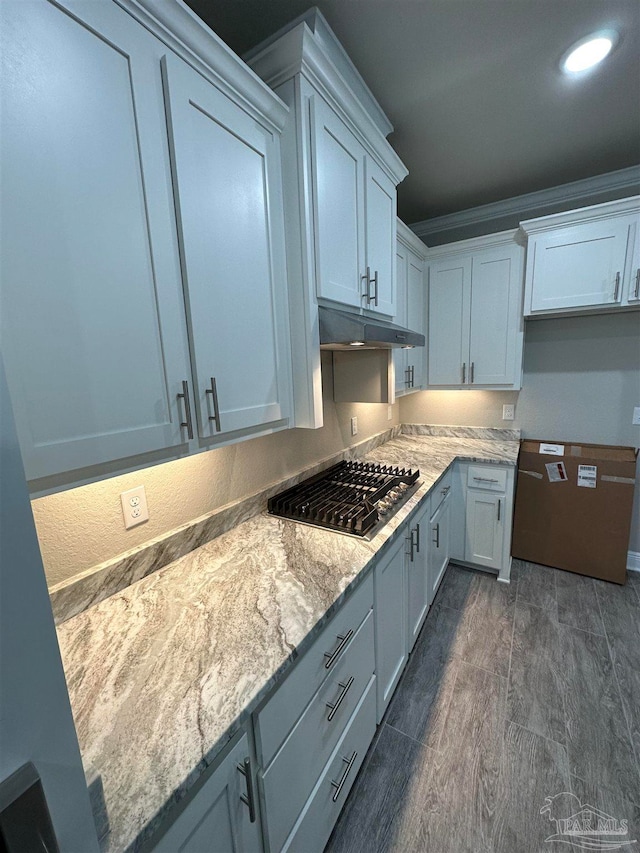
(502, 238)
(411, 241)
(593, 213)
(623, 181)
(298, 50)
(177, 26)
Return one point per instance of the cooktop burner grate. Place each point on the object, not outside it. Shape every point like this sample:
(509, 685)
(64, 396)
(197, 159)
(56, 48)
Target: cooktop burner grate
(350, 497)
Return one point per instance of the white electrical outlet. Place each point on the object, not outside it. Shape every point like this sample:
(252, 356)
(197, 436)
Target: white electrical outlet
(508, 412)
(354, 426)
(134, 507)
(389, 413)
(636, 416)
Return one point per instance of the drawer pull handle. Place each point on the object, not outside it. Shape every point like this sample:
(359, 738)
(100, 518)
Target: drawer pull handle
(486, 480)
(436, 530)
(248, 798)
(499, 502)
(418, 538)
(333, 706)
(335, 654)
(339, 785)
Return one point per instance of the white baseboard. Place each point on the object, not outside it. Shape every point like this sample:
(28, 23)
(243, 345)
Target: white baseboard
(633, 561)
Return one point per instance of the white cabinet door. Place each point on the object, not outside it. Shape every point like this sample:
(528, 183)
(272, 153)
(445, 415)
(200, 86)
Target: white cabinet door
(226, 172)
(416, 317)
(439, 546)
(380, 219)
(495, 309)
(578, 266)
(217, 819)
(400, 319)
(390, 615)
(417, 559)
(485, 514)
(338, 187)
(449, 296)
(632, 289)
(92, 317)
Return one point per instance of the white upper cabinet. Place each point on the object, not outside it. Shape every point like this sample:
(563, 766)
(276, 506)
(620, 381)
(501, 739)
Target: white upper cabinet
(338, 180)
(410, 309)
(582, 260)
(631, 294)
(475, 323)
(95, 334)
(380, 219)
(91, 315)
(226, 175)
(339, 176)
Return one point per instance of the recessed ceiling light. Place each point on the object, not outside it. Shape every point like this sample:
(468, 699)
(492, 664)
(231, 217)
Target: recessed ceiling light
(588, 52)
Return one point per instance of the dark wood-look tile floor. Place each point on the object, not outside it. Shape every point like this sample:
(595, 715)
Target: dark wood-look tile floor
(519, 705)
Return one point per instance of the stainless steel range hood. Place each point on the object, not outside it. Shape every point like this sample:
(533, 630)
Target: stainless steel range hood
(342, 331)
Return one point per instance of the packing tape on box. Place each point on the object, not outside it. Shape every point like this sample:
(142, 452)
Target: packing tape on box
(609, 478)
(531, 473)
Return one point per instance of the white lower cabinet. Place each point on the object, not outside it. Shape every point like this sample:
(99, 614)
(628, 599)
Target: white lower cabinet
(314, 826)
(418, 586)
(488, 513)
(391, 616)
(222, 816)
(439, 546)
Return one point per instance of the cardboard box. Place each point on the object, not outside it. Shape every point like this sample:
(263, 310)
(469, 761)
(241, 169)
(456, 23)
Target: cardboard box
(573, 507)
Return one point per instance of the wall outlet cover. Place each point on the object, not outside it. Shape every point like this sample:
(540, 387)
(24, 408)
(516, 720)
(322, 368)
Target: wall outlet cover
(389, 413)
(134, 507)
(354, 426)
(508, 412)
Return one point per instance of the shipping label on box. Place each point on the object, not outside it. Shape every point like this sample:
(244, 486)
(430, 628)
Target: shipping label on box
(556, 472)
(587, 476)
(552, 449)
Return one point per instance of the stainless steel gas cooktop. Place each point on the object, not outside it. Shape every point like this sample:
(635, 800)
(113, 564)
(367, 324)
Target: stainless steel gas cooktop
(356, 498)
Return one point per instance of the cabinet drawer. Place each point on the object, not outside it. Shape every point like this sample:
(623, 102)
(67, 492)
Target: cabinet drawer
(292, 774)
(489, 477)
(321, 811)
(279, 715)
(441, 491)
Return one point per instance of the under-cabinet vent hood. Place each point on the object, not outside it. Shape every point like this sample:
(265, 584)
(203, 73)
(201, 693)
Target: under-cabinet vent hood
(342, 331)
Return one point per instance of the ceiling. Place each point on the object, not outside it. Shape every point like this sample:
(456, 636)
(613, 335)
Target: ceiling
(473, 88)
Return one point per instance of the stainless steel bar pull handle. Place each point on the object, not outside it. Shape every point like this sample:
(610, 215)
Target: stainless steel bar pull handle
(339, 785)
(499, 503)
(407, 379)
(411, 544)
(333, 706)
(617, 287)
(375, 288)
(412, 376)
(216, 409)
(636, 290)
(249, 798)
(188, 423)
(486, 480)
(464, 372)
(436, 530)
(472, 372)
(335, 654)
(418, 538)
(367, 282)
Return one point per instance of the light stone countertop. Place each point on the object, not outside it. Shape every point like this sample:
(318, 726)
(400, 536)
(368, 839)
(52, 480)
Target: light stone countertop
(162, 674)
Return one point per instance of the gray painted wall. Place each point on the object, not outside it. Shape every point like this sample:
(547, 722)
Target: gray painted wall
(581, 382)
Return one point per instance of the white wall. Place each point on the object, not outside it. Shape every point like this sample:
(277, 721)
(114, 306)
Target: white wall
(82, 527)
(581, 382)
